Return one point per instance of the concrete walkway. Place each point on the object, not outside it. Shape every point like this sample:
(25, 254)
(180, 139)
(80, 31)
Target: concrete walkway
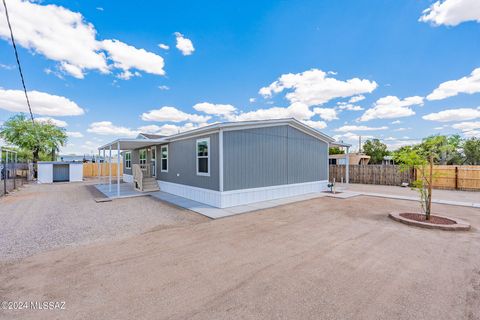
(127, 191)
(344, 192)
(449, 197)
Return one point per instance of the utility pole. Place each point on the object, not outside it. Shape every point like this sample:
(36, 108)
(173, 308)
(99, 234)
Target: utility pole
(359, 144)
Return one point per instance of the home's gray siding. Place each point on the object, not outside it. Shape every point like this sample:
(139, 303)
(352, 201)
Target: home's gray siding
(263, 157)
(182, 163)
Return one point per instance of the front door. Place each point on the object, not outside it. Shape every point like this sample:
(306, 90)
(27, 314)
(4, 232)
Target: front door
(142, 156)
(154, 161)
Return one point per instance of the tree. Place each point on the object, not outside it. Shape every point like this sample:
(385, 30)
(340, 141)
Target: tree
(376, 150)
(471, 149)
(335, 150)
(422, 157)
(35, 139)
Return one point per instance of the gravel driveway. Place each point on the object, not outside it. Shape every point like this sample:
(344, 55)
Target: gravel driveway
(41, 217)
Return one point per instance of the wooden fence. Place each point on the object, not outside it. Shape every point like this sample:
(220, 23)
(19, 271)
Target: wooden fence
(91, 169)
(372, 174)
(445, 177)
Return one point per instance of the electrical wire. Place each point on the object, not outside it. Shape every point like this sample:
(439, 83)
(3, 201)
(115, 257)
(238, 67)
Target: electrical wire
(18, 61)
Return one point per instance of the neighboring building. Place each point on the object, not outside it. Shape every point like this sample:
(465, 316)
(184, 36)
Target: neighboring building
(354, 159)
(388, 161)
(228, 164)
(85, 158)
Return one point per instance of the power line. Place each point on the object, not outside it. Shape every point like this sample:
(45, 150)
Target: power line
(18, 61)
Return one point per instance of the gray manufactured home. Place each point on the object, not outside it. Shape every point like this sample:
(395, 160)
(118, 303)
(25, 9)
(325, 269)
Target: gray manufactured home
(229, 164)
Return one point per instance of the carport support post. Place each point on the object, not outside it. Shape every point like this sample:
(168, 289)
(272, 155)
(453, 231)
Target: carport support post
(118, 169)
(110, 170)
(103, 165)
(347, 166)
(98, 166)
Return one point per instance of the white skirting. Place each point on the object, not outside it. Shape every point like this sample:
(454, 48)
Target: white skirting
(239, 197)
(128, 178)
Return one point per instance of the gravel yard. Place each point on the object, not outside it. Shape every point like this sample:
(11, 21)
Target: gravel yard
(323, 258)
(41, 217)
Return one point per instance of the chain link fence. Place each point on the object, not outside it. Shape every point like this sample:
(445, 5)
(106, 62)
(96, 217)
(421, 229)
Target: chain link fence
(14, 176)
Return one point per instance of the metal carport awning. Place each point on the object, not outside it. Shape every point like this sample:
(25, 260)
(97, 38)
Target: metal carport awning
(121, 145)
(347, 158)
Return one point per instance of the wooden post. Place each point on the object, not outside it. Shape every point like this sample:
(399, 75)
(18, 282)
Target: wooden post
(456, 178)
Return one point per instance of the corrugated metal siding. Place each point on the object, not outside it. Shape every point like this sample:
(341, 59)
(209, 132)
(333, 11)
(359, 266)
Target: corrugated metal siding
(263, 157)
(61, 172)
(307, 157)
(182, 167)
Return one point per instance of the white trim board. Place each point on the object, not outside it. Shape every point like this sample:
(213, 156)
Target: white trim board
(233, 198)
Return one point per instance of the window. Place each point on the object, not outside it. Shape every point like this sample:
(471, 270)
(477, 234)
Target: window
(164, 158)
(128, 160)
(203, 157)
(143, 158)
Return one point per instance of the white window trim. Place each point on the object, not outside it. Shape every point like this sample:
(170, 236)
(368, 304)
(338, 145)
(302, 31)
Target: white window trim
(207, 174)
(129, 160)
(161, 158)
(153, 160)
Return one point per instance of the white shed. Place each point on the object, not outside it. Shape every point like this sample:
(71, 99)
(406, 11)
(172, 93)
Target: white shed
(59, 171)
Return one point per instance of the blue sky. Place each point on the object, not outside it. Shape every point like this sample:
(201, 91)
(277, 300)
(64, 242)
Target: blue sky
(416, 70)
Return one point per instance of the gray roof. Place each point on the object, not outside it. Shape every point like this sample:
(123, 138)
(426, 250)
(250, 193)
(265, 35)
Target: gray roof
(151, 136)
(128, 144)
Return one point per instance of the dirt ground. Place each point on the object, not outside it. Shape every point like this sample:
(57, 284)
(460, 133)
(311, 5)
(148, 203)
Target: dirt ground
(324, 258)
(42, 217)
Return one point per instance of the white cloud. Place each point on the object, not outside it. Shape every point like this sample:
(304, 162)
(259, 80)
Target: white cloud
(74, 134)
(469, 84)
(6, 66)
(42, 103)
(356, 98)
(56, 122)
(391, 107)
(107, 128)
(459, 114)
(215, 109)
(464, 126)
(297, 110)
(172, 114)
(327, 114)
(319, 125)
(126, 57)
(452, 12)
(164, 87)
(64, 36)
(401, 129)
(396, 122)
(183, 44)
(72, 70)
(163, 46)
(348, 106)
(469, 129)
(348, 128)
(169, 129)
(252, 100)
(350, 137)
(314, 87)
(99, 8)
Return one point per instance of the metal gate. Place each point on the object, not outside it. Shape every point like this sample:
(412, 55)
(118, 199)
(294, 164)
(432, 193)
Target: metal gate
(61, 172)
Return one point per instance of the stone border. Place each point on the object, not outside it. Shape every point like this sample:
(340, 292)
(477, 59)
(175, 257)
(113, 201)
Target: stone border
(459, 225)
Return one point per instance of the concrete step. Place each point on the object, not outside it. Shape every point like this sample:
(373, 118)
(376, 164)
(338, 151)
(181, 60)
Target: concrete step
(151, 189)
